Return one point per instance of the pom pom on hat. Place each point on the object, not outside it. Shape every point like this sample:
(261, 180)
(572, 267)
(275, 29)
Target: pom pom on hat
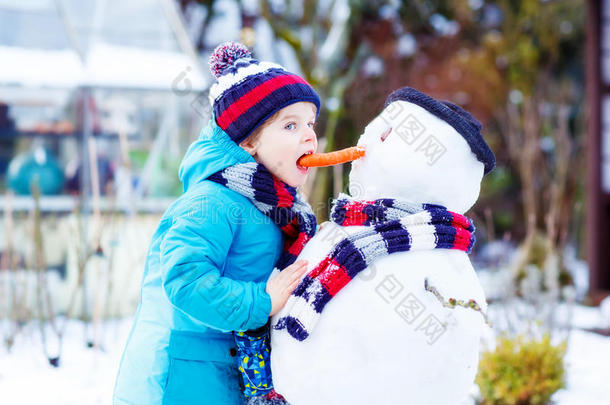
(225, 55)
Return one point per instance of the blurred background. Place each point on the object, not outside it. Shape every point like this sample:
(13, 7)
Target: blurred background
(99, 100)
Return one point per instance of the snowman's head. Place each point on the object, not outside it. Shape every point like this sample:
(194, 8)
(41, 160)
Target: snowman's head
(422, 150)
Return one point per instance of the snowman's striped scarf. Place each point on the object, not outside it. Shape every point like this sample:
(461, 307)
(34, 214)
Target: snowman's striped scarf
(391, 226)
(275, 199)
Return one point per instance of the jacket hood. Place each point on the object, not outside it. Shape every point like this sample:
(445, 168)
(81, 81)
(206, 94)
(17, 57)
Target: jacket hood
(212, 151)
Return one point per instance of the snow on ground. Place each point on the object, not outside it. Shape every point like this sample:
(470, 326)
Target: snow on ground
(587, 361)
(86, 376)
(588, 370)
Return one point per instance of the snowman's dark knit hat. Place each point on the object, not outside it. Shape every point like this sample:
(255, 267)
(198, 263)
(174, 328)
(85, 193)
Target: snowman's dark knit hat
(457, 117)
(249, 91)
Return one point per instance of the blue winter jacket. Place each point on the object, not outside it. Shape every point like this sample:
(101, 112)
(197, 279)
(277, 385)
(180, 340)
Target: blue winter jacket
(205, 276)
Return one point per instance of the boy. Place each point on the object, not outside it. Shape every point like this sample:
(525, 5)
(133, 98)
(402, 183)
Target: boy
(209, 260)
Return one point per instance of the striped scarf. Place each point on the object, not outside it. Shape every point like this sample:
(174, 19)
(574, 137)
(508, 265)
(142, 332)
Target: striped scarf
(294, 216)
(275, 199)
(391, 226)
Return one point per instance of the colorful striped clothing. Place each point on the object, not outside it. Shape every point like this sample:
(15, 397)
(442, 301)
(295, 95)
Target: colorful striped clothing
(277, 200)
(286, 208)
(391, 226)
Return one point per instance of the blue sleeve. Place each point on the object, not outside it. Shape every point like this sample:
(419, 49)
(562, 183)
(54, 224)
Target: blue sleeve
(192, 253)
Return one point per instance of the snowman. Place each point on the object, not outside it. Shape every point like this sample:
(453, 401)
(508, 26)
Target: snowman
(391, 310)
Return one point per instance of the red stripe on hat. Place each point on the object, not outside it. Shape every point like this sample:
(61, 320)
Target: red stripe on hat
(284, 198)
(245, 102)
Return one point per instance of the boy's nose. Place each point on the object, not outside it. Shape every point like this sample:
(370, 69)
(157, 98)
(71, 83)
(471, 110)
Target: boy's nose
(309, 136)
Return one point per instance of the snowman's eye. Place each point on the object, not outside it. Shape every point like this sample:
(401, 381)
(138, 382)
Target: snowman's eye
(385, 134)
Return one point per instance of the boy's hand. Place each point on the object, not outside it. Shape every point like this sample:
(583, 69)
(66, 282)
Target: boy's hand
(281, 286)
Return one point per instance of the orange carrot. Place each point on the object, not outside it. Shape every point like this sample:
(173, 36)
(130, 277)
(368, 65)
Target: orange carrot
(331, 158)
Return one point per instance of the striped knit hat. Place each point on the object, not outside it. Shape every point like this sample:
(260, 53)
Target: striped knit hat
(461, 120)
(249, 91)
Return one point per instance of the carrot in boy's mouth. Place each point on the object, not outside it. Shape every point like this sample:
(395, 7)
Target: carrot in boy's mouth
(332, 158)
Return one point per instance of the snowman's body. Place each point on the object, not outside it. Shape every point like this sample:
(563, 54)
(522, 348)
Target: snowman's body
(383, 338)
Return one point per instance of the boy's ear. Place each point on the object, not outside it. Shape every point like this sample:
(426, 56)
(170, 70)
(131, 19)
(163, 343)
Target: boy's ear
(249, 146)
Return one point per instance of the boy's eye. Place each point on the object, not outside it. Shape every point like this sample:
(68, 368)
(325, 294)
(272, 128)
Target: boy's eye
(290, 126)
(311, 124)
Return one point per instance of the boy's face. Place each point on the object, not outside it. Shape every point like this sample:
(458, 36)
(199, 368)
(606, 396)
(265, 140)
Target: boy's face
(283, 141)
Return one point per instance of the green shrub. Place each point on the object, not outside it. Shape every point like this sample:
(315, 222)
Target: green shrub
(521, 371)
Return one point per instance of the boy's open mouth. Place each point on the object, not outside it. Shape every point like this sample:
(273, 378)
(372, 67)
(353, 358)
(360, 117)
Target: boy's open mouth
(303, 168)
